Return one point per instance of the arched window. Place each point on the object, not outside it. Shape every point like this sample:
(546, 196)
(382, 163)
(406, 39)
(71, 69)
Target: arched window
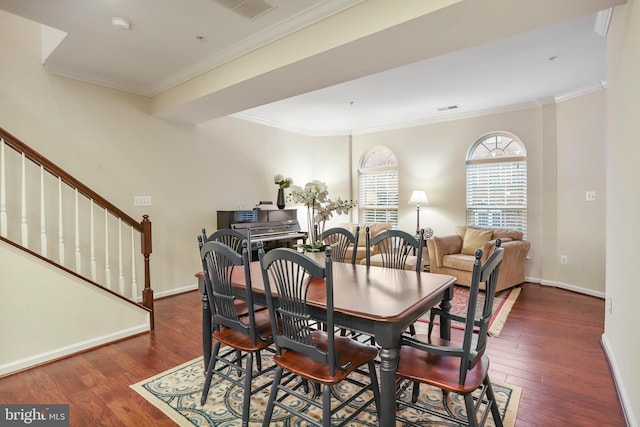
(378, 186)
(497, 182)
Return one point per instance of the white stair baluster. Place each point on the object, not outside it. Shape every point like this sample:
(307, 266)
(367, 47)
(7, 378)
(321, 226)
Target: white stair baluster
(43, 222)
(93, 248)
(3, 192)
(23, 204)
(134, 284)
(77, 230)
(120, 271)
(107, 270)
(60, 226)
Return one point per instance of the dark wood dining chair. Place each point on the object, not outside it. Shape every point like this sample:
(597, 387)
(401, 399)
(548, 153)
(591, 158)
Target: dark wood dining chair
(242, 335)
(437, 311)
(457, 367)
(234, 239)
(230, 237)
(341, 240)
(394, 248)
(318, 356)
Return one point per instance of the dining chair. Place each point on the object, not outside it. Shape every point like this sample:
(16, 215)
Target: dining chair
(230, 237)
(340, 240)
(457, 367)
(394, 249)
(318, 356)
(244, 335)
(437, 311)
(233, 239)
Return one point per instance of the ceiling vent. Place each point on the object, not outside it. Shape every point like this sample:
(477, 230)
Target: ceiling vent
(248, 8)
(450, 107)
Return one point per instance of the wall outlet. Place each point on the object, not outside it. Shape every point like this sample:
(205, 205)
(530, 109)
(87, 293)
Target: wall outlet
(610, 305)
(590, 196)
(564, 259)
(141, 200)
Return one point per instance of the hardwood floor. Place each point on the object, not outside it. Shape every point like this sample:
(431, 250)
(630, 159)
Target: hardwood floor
(550, 346)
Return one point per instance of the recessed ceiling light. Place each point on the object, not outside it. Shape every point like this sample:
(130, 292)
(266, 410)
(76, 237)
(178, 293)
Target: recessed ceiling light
(120, 23)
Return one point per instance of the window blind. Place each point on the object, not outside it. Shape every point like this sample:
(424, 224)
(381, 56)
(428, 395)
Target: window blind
(378, 196)
(497, 194)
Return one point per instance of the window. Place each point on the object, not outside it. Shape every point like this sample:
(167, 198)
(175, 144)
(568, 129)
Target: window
(497, 182)
(378, 187)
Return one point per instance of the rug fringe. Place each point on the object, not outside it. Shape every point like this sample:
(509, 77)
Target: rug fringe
(503, 312)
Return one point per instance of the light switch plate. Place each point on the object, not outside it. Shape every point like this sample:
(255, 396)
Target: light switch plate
(141, 200)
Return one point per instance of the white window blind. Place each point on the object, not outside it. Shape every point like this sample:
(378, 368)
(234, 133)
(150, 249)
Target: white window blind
(378, 187)
(497, 184)
(379, 196)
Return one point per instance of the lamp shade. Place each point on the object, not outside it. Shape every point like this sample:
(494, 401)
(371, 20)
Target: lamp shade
(418, 197)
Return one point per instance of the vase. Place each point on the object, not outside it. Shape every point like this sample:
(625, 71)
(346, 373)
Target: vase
(280, 199)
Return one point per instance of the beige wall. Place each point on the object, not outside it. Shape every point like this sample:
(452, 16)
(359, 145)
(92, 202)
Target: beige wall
(191, 171)
(46, 313)
(108, 140)
(623, 203)
(581, 168)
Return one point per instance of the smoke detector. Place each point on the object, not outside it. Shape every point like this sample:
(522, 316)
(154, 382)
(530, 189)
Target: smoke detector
(120, 23)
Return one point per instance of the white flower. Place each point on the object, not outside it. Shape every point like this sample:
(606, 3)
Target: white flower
(282, 182)
(315, 196)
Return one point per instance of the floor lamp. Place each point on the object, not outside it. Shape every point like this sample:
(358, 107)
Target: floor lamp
(418, 197)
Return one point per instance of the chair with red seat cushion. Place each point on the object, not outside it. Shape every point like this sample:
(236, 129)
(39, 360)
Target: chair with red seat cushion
(316, 355)
(458, 367)
(245, 335)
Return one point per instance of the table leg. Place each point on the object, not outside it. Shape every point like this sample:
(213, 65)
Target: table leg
(445, 321)
(388, 366)
(206, 330)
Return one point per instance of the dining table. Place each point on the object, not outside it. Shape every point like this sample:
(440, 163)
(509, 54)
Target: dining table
(378, 301)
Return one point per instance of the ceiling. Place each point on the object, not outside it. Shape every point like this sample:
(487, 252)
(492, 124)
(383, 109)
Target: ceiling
(171, 44)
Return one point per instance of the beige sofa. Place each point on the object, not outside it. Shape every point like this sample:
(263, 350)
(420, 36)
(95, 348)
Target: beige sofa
(454, 254)
(374, 229)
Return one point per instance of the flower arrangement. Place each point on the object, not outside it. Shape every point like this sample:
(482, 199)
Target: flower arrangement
(315, 196)
(282, 182)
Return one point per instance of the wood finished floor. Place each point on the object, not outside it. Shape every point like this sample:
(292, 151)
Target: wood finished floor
(550, 346)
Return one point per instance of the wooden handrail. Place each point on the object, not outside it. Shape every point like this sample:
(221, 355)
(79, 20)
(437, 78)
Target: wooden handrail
(143, 227)
(58, 172)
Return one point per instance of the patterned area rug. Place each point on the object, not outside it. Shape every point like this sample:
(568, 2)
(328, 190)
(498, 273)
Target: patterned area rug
(177, 391)
(502, 304)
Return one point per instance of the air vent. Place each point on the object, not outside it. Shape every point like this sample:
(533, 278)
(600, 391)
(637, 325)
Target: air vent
(450, 107)
(248, 8)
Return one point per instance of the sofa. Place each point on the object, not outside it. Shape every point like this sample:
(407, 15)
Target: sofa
(454, 254)
(374, 229)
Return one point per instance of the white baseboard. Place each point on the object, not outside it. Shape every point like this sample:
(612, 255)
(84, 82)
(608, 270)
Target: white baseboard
(48, 356)
(566, 286)
(176, 291)
(619, 383)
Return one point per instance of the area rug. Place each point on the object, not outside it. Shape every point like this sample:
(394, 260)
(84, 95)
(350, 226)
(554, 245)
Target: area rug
(502, 304)
(176, 392)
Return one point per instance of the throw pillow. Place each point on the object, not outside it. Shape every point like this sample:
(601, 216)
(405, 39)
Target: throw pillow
(473, 239)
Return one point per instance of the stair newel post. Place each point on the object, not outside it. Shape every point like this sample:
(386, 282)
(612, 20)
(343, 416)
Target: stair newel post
(147, 293)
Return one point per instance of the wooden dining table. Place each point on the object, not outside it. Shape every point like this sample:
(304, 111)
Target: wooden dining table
(381, 302)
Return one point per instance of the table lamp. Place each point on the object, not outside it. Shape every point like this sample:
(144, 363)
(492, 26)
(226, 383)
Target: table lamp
(418, 197)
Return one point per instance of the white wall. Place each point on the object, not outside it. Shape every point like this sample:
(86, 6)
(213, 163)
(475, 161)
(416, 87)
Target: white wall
(621, 338)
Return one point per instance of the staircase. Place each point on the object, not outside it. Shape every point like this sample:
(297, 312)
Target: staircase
(51, 217)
